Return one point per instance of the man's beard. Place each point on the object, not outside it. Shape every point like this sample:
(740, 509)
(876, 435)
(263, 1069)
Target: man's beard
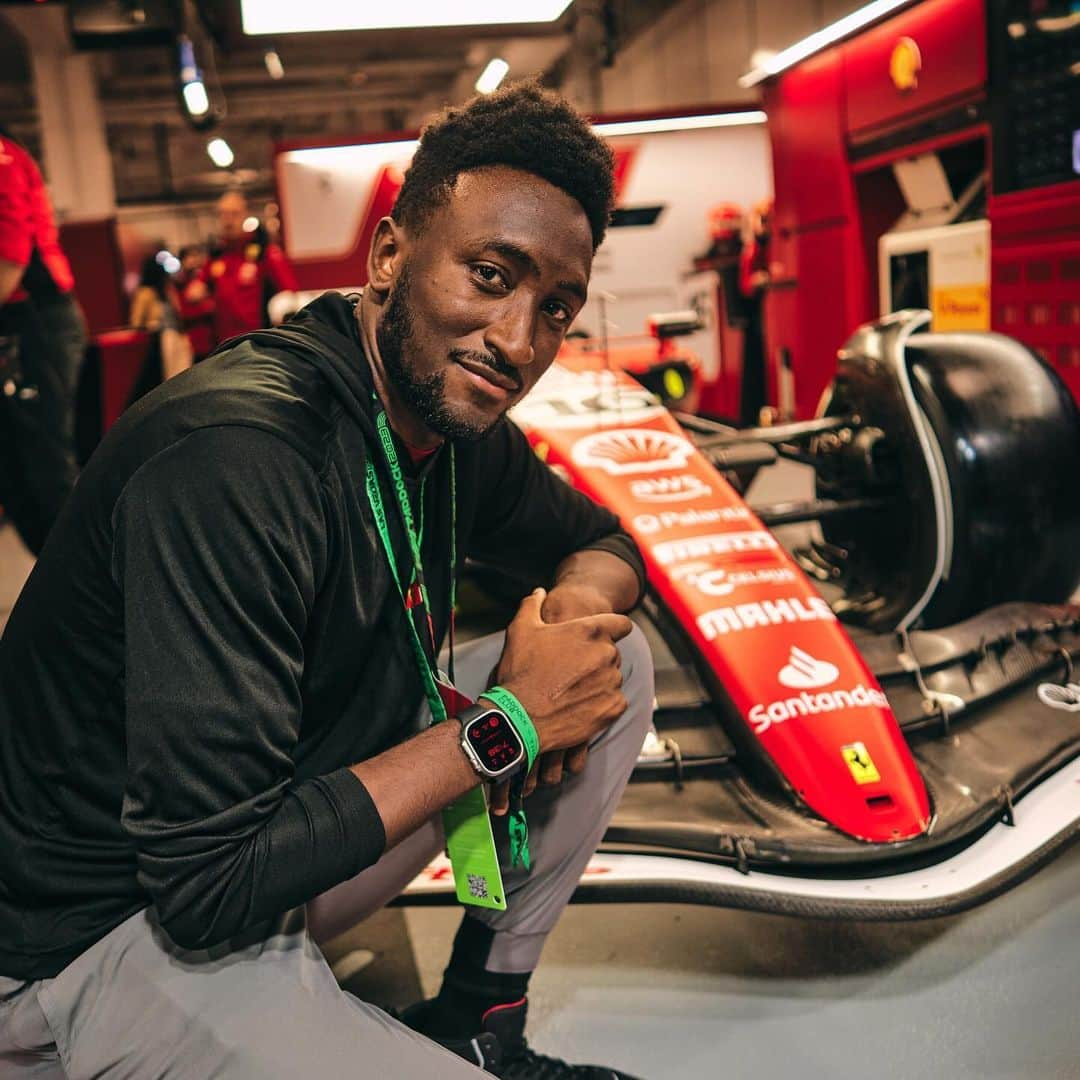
(424, 395)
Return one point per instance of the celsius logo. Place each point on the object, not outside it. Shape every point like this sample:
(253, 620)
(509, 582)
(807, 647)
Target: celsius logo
(716, 582)
(633, 450)
(804, 672)
(670, 489)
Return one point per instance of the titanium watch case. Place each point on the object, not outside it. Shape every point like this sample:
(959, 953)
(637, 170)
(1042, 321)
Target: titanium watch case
(491, 742)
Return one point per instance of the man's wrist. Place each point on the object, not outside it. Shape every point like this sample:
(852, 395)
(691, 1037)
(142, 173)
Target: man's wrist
(574, 599)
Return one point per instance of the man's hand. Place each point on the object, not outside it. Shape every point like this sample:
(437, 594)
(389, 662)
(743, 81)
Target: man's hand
(566, 675)
(574, 600)
(567, 600)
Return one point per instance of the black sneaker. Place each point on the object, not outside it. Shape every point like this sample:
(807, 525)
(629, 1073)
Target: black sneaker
(482, 1049)
(501, 1043)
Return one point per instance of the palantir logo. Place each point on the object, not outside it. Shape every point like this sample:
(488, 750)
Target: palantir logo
(805, 672)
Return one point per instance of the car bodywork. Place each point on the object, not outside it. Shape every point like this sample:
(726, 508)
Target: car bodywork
(882, 723)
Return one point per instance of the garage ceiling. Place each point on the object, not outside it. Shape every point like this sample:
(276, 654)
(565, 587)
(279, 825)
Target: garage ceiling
(349, 82)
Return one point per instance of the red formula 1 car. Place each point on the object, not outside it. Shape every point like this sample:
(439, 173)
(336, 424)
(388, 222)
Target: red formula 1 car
(883, 722)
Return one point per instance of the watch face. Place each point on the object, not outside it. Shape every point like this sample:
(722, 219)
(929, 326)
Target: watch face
(495, 741)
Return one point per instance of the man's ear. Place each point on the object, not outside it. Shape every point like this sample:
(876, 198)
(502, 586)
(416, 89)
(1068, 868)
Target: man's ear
(386, 255)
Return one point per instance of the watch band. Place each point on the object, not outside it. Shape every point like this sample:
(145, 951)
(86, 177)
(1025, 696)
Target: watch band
(506, 702)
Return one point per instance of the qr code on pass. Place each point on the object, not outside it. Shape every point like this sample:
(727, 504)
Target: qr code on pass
(478, 886)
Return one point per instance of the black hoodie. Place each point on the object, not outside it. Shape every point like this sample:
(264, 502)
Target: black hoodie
(211, 637)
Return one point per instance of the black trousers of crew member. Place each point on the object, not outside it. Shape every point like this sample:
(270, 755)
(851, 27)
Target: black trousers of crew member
(41, 350)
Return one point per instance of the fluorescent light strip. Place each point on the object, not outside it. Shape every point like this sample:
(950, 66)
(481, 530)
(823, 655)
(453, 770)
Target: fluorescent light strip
(195, 99)
(362, 156)
(357, 158)
(289, 17)
(220, 153)
(681, 123)
(817, 41)
(492, 75)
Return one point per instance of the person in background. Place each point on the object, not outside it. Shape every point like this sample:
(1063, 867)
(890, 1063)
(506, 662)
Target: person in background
(154, 309)
(196, 317)
(244, 272)
(42, 338)
(753, 281)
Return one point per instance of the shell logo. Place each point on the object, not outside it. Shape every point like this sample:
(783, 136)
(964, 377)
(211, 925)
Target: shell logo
(905, 63)
(633, 450)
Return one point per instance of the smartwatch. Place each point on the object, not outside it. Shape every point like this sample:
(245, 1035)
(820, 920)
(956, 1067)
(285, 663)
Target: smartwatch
(491, 742)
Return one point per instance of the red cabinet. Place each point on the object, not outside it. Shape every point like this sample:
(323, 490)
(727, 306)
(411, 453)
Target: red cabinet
(942, 50)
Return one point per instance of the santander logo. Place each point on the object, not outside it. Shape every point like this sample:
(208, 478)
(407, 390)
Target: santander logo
(805, 672)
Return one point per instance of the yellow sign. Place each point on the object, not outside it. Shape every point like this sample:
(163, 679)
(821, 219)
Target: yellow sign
(905, 64)
(961, 307)
(860, 763)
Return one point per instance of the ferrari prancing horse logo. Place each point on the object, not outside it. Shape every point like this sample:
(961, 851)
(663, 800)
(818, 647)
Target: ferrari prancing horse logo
(862, 767)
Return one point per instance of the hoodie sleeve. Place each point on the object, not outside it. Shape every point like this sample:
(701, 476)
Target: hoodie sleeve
(528, 520)
(219, 546)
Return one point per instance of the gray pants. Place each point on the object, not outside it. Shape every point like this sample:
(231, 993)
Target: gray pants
(136, 1006)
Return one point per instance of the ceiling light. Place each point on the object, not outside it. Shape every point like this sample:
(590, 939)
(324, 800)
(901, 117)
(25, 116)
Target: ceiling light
(167, 260)
(195, 99)
(492, 75)
(220, 153)
(817, 41)
(274, 67)
(360, 158)
(289, 17)
(681, 123)
(357, 158)
(192, 87)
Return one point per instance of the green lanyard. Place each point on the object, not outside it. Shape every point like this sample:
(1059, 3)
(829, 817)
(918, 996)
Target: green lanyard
(371, 480)
(466, 822)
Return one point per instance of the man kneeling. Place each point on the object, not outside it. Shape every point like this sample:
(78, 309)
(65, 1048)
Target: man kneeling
(216, 687)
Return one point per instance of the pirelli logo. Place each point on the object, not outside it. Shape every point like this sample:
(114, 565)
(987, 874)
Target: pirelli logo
(698, 547)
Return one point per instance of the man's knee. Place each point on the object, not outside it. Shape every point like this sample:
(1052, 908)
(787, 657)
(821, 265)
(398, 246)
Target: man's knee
(637, 669)
(637, 688)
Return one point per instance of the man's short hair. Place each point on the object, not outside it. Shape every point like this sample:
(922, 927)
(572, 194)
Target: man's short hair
(524, 127)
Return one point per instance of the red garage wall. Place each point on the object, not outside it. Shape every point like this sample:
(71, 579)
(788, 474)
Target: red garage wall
(837, 122)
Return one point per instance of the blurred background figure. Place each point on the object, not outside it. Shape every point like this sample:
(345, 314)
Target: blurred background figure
(42, 339)
(154, 308)
(243, 273)
(753, 281)
(196, 316)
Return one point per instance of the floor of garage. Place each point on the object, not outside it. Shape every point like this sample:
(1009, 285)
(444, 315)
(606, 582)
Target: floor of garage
(681, 993)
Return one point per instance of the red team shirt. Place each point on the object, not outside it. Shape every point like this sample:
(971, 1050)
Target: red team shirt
(26, 219)
(236, 277)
